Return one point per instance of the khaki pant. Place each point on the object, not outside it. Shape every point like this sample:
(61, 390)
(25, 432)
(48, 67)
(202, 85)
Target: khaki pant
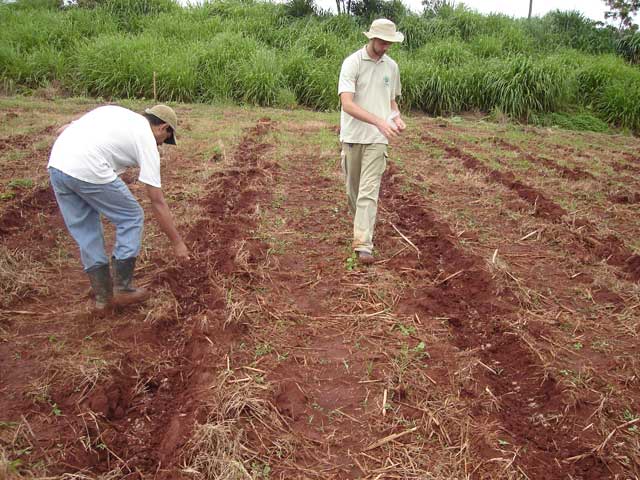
(363, 166)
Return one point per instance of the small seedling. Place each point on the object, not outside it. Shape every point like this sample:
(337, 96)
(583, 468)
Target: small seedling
(351, 262)
(216, 153)
(369, 368)
(406, 331)
(629, 416)
(21, 183)
(263, 349)
(577, 346)
(260, 470)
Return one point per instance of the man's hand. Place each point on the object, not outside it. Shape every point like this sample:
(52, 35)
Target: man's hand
(389, 131)
(181, 251)
(399, 123)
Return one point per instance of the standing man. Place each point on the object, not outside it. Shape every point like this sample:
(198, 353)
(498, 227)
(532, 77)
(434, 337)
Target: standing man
(84, 165)
(368, 87)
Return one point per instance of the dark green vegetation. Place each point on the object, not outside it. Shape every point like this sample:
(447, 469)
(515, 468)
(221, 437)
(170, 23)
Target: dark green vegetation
(453, 60)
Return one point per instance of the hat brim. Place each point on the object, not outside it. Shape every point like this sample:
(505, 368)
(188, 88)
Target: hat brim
(397, 38)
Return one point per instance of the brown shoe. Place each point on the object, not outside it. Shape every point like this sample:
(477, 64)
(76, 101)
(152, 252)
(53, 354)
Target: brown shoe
(365, 258)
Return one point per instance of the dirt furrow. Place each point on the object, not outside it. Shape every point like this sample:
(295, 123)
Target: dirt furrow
(448, 283)
(609, 248)
(565, 172)
(24, 141)
(175, 398)
(312, 367)
(132, 414)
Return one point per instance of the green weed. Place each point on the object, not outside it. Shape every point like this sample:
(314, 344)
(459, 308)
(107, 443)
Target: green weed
(351, 262)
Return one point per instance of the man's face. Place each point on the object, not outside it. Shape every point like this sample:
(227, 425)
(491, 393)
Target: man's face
(164, 134)
(380, 47)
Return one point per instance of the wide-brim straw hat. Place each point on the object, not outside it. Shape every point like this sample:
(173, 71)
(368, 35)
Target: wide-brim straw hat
(384, 30)
(168, 116)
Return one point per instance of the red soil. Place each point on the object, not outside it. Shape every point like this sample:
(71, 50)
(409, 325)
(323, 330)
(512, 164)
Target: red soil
(320, 341)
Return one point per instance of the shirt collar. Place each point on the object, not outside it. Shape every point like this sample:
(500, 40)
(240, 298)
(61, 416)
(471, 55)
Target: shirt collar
(365, 55)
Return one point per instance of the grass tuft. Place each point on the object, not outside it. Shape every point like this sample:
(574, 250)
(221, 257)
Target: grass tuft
(20, 277)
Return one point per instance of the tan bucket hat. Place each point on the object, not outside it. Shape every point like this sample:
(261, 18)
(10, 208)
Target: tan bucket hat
(384, 30)
(168, 116)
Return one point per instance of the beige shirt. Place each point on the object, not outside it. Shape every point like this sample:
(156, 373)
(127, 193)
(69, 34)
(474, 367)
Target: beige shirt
(374, 85)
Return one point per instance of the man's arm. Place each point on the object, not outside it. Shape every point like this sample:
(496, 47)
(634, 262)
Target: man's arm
(349, 106)
(164, 218)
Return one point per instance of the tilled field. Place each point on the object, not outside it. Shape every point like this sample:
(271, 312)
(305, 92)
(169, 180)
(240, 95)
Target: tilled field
(495, 337)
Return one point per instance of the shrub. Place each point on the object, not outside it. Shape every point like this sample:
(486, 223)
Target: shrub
(300, 8)
(446, 53)
(259, 79)
(628, 46)
(217, 64)
(119, 65)
(619, 103)
(521, 86)
(571, 121)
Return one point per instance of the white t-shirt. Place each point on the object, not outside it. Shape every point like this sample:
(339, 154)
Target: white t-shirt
(101, 144)
(374, 85)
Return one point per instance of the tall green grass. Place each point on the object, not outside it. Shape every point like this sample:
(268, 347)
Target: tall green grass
(523, 85)
(259, 53)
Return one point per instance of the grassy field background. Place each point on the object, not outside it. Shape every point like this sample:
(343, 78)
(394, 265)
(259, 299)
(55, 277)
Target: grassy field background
(561, 69)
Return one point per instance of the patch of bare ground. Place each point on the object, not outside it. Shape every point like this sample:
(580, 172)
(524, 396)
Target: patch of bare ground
(484, 343)
(565, 172)
(567, 317)
(606, 247)
(24, 141)
(514, 388)
(126, 402)
(360, 389)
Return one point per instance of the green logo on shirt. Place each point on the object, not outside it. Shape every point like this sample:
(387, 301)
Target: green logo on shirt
(386, 80)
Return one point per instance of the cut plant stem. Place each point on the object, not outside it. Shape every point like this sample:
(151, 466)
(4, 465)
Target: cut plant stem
(405, 238)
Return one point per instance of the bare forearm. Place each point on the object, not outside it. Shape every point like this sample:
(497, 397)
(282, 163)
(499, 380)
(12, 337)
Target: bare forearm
(360, 113)
(356, 111)
(165, 220)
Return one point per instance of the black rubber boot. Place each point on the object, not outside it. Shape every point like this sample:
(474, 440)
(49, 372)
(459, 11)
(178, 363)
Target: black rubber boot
(124, 293)
(100, 279)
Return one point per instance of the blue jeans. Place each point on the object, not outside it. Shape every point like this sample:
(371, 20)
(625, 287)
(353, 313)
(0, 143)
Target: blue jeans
(81, 204)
